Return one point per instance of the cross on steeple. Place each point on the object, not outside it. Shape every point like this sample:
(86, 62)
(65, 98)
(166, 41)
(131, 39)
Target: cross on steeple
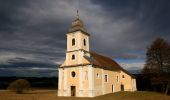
(77, 14)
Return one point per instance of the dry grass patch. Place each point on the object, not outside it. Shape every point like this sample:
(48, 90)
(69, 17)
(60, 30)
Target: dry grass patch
(140, 95)
(32, 95)
(51, 95)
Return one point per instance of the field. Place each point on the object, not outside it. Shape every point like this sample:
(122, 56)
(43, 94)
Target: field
(51, 95)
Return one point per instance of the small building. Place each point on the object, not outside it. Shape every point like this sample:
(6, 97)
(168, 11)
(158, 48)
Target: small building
(88, 74)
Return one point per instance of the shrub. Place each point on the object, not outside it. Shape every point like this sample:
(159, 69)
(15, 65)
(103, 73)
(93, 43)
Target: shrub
(19, 86)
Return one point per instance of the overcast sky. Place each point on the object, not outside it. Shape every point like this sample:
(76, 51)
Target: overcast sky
(33, 32)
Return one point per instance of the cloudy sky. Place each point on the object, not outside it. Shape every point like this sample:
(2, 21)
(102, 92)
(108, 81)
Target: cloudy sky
(33, 32)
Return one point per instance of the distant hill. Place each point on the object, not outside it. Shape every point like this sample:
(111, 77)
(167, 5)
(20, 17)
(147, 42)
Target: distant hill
(134, 71)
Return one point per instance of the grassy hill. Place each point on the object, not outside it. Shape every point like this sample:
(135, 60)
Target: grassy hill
(51, 95)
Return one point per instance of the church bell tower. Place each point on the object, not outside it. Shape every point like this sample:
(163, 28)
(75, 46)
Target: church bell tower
(74, 72)
(77, 42)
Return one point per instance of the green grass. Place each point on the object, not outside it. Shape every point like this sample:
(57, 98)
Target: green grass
(51, 95)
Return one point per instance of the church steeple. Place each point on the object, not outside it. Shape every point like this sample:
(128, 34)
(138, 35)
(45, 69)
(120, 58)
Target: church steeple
(77, 25)
(77, 42)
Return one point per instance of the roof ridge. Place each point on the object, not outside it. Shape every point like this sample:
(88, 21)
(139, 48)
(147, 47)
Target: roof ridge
(107, 62)
(105, 57)
(100, 55)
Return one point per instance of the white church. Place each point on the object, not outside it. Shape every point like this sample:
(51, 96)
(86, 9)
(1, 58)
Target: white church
(88, 74)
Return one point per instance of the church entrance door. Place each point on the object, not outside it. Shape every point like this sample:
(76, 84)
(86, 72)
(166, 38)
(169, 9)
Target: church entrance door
(73, 90)
(122, 87)
(113, 88)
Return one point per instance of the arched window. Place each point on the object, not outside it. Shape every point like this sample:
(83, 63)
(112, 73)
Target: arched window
(117, 78)
(73, 57)
(106, 78)
(73, 74)
(84, 42)
(73, 42)
(123, 76)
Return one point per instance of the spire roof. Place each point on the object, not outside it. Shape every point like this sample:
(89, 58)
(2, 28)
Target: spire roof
(77, 25)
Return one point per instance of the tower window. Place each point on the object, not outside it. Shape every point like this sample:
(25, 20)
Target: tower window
(73, 57)
(73, 74)
(84, 42)
(73, 42)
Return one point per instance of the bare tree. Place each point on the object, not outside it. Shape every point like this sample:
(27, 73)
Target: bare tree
(158, 63)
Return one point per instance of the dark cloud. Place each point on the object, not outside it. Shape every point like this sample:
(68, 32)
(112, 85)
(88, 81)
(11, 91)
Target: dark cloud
(131, 25)
(22, 62)
(20, 72)
(22, 67)
(33, 32)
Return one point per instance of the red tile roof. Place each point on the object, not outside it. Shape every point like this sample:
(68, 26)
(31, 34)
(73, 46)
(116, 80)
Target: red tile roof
(105, 62)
